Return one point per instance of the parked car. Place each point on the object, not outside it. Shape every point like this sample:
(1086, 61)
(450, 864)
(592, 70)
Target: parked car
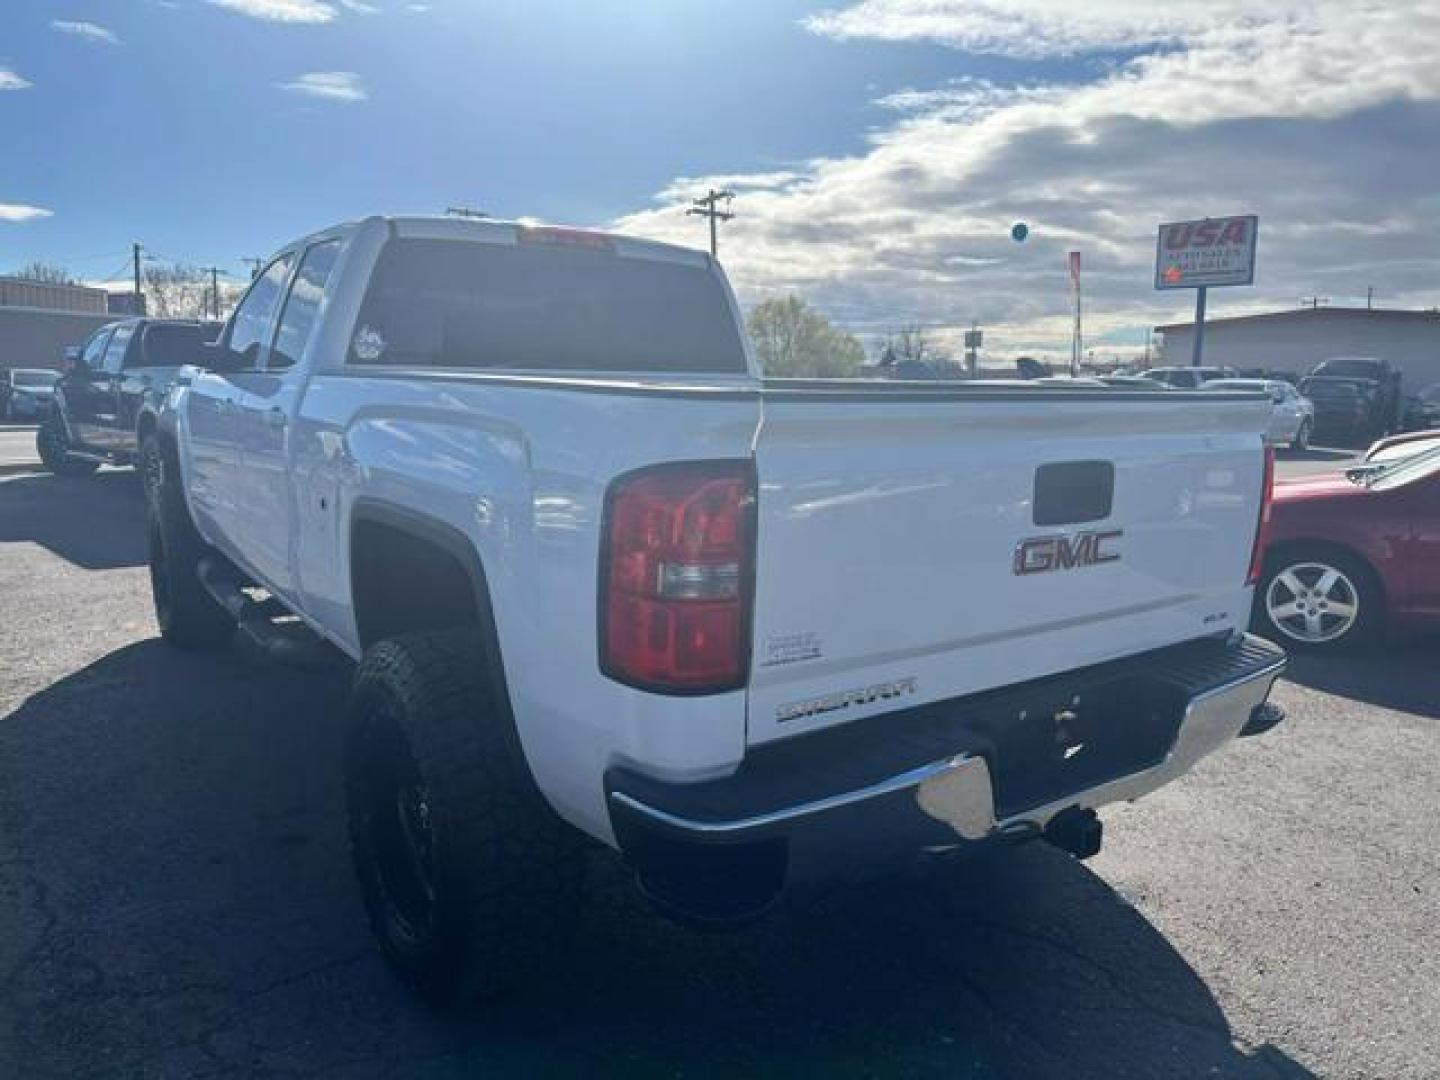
(107, 400)
(1394, 447)
(1188, 378)
(1133, 382)
(1074, 381)
(1379, 385)
(25, 393)
(520, 474)
(1353, 553)
(1422, 409)
(1344, 407)
(1292, 415)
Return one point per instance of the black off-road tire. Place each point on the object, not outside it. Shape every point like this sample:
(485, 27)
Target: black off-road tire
(471, 881)
(150, 465)
(53, 446)
(1302, 437)
(189, 617)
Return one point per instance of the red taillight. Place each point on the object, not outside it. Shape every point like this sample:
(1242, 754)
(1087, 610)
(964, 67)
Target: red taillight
(1262, 528)
(675, 577)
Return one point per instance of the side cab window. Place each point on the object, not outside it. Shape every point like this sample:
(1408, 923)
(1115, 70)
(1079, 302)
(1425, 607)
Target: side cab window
(115, 351)
(302, 306)
(94, 351)
(248, 336)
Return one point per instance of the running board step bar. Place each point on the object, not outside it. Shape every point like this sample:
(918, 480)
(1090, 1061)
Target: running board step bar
(291, 641)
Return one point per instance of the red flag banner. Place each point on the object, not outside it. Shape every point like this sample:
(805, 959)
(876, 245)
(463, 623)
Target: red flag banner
(1074, 269)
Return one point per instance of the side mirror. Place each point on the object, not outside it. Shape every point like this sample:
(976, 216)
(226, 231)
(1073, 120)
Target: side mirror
(215, 356)
(71, 362)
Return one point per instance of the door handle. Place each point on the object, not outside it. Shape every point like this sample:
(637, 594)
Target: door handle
(275, 417)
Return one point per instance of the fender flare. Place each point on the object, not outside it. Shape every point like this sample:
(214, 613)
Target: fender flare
(453, 542)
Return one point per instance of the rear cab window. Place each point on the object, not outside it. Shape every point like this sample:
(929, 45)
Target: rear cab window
(458, 303)
(171, 344)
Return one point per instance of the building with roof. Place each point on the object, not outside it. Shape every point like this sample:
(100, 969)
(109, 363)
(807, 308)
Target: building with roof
(38, 319)
(1295, 341)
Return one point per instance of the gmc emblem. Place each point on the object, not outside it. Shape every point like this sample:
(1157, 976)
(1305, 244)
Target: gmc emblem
(1040, 554)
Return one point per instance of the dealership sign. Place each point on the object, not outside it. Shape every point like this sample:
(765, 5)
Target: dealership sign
(1199, 254)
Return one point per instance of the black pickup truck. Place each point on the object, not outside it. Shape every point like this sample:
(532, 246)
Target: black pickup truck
(107, 399)
(1358, 396)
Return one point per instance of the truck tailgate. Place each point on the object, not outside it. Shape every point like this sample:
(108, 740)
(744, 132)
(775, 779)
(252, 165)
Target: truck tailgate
(918, 546)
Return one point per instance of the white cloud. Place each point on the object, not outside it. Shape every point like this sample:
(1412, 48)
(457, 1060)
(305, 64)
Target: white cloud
(15, 212)
(359, 7)
(330, 85)
(88, 30)
(1021, 27)
(11, 81)
(1323, 117)
(287, 11)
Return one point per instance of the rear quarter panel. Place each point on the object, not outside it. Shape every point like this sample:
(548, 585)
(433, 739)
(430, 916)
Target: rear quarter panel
(522, 471)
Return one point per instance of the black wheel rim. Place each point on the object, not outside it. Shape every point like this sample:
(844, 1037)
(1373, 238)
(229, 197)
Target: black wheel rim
(399, 823)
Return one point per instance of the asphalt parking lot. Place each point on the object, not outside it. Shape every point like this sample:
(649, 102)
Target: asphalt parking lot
(175, 897)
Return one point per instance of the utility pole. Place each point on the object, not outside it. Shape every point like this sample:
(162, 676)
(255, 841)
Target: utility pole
(707, 207)
(254, 262)
(139, 298)
(1315, 301)
(1198, 346)
(1076, 337)
(1369, 297)
(214, 289)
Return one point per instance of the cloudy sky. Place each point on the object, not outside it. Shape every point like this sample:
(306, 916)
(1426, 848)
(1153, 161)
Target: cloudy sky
(880, 150)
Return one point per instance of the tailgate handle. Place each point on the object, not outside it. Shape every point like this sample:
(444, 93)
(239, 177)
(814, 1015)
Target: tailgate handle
(1073, 492)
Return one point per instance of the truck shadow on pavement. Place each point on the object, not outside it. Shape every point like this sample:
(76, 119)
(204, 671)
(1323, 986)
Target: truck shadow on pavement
(94, 522)
(178, 901)
(1399, 675)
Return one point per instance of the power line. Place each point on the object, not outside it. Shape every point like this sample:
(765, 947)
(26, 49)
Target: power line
(91, 258)
(707, 207)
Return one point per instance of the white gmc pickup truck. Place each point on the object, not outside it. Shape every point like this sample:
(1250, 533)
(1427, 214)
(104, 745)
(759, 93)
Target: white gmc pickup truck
(604, 580)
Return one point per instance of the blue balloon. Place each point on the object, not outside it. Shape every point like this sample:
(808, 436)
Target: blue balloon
(1019, 231)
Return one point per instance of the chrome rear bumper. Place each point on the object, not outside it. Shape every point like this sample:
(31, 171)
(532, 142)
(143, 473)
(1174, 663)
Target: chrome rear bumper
(673, 831)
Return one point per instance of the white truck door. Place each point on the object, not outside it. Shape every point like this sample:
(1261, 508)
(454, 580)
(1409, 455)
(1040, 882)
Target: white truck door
(267, 411)
(213, 413)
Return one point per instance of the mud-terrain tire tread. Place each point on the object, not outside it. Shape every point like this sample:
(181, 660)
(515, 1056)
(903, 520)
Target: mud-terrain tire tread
(510, 872)
(51, 445)
(189, 617)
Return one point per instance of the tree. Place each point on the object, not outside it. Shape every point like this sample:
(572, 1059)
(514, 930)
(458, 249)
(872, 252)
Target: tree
(796, 341)
(45, 273)
(910, 346)
(181, 291)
